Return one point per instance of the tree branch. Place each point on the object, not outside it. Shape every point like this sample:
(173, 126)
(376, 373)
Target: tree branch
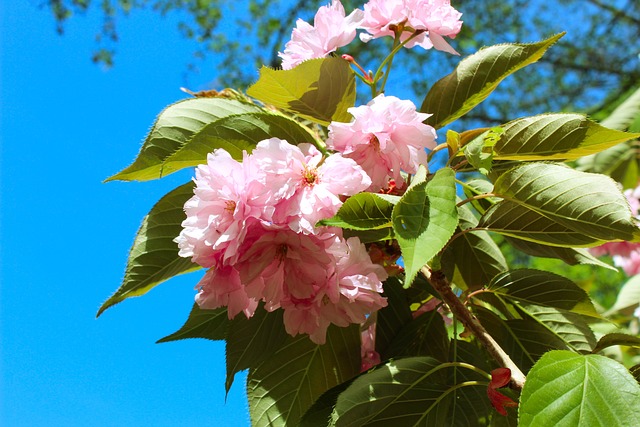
(441, 285)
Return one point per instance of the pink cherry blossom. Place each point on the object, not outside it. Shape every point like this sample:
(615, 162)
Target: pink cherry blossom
(221, 287)
(331, 30)
(368, 354)
(309, 186)
(387, 136)
(433, 18)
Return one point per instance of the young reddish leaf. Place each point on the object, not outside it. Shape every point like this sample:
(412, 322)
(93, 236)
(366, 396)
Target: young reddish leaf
(499, 378)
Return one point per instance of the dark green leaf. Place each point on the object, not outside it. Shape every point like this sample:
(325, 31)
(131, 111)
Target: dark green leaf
(476, 77)
(252, 341)
(320, 90)
(364, 211)
(235, 134)
(424, 336)
(154, 255)
(392, 318)
(568, 389)
(176, 125)
(616, 339)
(283, 387)
(424, 219)
(209, 324)
(572, 256)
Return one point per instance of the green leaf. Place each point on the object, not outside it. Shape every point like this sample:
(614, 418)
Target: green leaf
(425, 335)
(555, 137)
(624, 114)
(474, 256)
(319, 414)
(364, 211)
(476, 77)
(320, 90)
(392, 318)
(236, 134)
(635, 371)
(370, 236)
(173, 128)
(283, 387)
(628, 298)
(479, 152)
(616, 339)
(406, 392)
(154, 255)
(620, 162)
(209, 324)
(542, 288)
(252, 341)
(587, 203)
(515, 220)
(568, 389)
(572, 256)
(424, 219)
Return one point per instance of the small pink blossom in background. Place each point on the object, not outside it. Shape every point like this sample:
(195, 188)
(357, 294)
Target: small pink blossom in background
(368, 354)
(331, 30)
(387, 136)
(436, 18)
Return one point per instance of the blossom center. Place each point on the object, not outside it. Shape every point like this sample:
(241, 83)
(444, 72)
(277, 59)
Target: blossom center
(230, 206)
(375, 143)
(309, 176)
(281, 252)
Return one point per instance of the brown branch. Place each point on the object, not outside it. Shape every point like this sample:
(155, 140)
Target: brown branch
(441, 285)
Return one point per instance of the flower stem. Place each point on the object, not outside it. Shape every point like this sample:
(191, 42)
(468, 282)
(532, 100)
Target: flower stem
(441, 285)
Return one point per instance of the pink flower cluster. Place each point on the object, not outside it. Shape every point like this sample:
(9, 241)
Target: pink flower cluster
(625, 254)
(387, 136)
(252, 223)
(429, 20)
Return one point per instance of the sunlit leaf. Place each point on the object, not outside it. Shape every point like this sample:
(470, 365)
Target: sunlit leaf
(235, 134)
(628, 298)
(283, 387)
(173, 128)
(568, 389)
(320, 90)
(154, 255)
(622, 163)
(364, 211)
(572, 256)
(476, 77)
(424, 219)
(555, 137)
(609, 340)
(209, 324)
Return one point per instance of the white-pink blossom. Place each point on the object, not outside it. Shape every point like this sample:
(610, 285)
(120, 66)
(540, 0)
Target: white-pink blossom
(221, 287)
(387, 136)
(331, 30)
(432, 19)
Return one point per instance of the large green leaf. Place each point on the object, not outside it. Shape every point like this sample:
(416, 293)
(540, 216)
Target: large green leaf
(425, 335)
(424, 219)
(173, 128)
(283, 387)
(568, 389)
(621, 162)
(625, 113)
(392, 318)
(515, 220)
(572, 256)
(609, 340)
(415, 391)
(473, 257)
(364, 211)
(236, 134)
(154, 255)
(584, 202)
(555, 137)
(209, 324)
(476, 77)
(320, 90)
(252, 341)
(542, 288)
(628, 298)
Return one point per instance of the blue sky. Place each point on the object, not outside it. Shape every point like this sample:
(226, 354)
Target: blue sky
(66, 125)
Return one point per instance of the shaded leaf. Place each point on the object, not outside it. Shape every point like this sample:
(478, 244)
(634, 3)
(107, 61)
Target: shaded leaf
(176, 125)
(283, 387)
(209, 324)
(252, 341)
(622, 163)
(235, 134)
(392, 318)
(320, 90)
(588, 203)
(568, 389)
(364, 211)
(319, 414)
(424, 219)
(555, 137)
(616, 339)
(153, 258)
(572, 256)
(476, 77)
(425, 335)
(624, 114)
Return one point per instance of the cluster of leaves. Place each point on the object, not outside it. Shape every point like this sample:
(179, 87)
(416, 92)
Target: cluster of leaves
(526, 194)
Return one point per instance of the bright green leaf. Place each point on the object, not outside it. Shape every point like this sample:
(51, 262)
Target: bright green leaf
(209, 324)
(154, 255)
(173, 128)
(587, 203)
(555, 137)
(364, 211)
(283, 387)
(424, 219)
(568, 389)
(476, 77)
(616, 339)
(320, 90)
(235, 134)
